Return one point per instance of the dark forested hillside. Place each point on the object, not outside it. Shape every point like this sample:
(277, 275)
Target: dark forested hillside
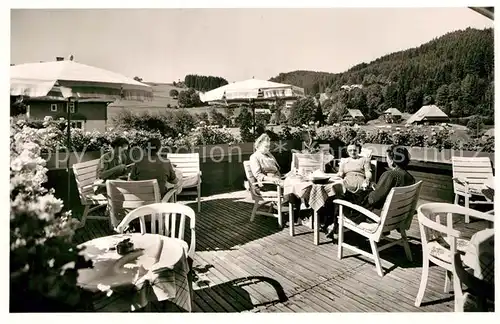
(454, 71)
(203, 82)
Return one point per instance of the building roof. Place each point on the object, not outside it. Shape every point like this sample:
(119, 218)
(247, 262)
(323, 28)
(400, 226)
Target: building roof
(393, 111)
(59, 99)
(355, 113)
(489, 132)
(429, 112)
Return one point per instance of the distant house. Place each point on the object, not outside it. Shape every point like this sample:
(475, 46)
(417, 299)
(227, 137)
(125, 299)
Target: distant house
(354, 115)
(264, 111)
(428, 114)
(86, 114)
(392, 115)
(351, 87)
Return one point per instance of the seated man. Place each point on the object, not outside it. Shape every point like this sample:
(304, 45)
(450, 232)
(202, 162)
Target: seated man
(154, 166)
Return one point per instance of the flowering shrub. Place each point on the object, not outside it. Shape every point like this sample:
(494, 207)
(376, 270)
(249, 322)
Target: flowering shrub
(43, 261)
(51, 136)
(205, 135)
(439, 137)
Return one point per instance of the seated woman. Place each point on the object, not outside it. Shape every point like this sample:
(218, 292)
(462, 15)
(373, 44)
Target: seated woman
(265, 168)
(113, 164)
(356, 172)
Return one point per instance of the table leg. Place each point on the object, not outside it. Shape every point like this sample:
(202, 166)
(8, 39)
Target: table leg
(316, 228)
(291, 224)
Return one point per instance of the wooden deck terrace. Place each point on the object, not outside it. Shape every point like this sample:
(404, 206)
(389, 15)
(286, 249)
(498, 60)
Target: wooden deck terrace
(243, 266)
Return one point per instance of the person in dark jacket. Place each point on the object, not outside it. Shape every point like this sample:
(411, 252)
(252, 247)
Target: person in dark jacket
(398, 159)
(152, 166)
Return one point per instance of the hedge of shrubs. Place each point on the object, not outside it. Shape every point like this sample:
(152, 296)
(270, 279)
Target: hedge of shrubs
(440, 137)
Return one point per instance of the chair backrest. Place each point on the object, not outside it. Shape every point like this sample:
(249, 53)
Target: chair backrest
(85, 176)
(366, 153)
(399, 208)
(188, 163)
(433, 230)
(324, 148)
(252, 181)
(308, 162)
(125, 196)
(476, 170)
(167, 219)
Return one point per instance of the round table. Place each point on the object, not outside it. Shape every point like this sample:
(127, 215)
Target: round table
(315, 194)
(157, 261)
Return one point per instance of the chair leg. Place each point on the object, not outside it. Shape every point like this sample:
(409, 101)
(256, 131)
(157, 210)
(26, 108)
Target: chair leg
(291, 223)
(457, 291)
(84, 216)
(376, 258)
(447, 281)
(280, 218)
(456, 199)
(467, 218)
(341, 232)
(423, 281)
(406, 245)
(199, 197)
(254, 210)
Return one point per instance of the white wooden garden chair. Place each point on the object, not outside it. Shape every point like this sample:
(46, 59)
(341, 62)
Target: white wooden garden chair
(306, 163)
(440, 242)
(125, 196)
(397, 213)
(189, 164)
(267, 198)
(167, 219)
(469, 177)
(85, 176)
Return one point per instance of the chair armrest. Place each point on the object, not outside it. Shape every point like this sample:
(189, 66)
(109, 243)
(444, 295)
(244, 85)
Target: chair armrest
(461, 181)
(90, 186)
(267, 182)
(169, 195)
(358, 208)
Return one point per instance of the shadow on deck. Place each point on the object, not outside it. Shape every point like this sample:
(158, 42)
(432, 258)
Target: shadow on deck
(256, 266)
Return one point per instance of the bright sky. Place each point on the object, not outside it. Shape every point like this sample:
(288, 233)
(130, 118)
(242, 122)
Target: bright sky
(163, 45)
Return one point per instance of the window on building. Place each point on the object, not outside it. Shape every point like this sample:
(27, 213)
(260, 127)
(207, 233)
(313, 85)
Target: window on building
(80, 124)
(53, 107)
(71, 107)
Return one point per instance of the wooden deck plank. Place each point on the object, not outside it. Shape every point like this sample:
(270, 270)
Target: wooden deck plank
(234, 249)
(233, 272)
(231, 294)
